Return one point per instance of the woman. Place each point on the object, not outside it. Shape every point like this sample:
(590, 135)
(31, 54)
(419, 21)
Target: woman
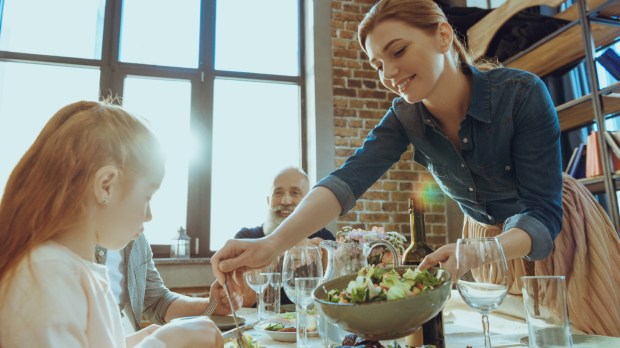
(489, 136)
(87, 180)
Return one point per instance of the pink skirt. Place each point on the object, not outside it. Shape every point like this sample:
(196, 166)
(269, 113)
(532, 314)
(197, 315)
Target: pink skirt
(586, 252)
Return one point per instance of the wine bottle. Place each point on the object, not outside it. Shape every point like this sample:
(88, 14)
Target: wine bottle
(431, 332)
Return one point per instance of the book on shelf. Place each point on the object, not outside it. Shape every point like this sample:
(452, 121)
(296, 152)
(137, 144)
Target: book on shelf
(610, 60)
(577, 168)
(571, 160)
(594, 167)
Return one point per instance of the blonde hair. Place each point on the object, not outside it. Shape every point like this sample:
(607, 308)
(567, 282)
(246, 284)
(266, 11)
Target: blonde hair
(46, 193)
(421, 14)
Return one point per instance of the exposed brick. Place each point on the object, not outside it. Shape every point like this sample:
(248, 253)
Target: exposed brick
(356, 112)
(353, 83)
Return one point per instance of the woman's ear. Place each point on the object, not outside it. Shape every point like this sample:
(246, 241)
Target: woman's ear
(446, 36)
(106, 184)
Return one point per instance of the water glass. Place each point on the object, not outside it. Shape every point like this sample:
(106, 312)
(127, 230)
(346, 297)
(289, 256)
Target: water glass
(546, 311)
(270, 297)
(257, 279)
(307, 315)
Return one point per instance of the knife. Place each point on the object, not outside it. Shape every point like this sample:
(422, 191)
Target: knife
(232, 309)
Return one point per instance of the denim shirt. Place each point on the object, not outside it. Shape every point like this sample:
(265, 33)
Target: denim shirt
(508, 169)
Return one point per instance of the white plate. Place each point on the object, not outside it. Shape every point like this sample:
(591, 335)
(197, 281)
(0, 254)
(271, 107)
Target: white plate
(223, 322)
(279, 336)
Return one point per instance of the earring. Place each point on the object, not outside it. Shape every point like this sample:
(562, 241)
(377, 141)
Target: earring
(104, 201)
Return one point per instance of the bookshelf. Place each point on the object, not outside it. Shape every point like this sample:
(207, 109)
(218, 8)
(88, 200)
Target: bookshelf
(594, 24)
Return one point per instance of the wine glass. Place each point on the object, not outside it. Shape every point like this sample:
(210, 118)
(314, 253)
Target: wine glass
(300, 262)
(257, 279)
(302, 271)
(482, 276)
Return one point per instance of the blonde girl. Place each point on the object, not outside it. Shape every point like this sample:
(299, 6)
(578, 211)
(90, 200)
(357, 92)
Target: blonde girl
(87, 180)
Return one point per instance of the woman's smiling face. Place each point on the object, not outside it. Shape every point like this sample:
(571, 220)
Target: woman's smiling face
(409, 60)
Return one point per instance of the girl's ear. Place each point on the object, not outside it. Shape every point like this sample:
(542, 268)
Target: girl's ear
(446, 36)
(106, 184)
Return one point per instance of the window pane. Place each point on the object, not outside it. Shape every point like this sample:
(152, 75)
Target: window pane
(68, 28)
(158, 32)
(252, 141)
(29, 95)
(170, 121)
(257, 36)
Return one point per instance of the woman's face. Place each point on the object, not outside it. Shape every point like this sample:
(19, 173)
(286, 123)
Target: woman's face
(409, 60)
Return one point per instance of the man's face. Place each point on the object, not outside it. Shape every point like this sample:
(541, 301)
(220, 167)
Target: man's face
(289, 188)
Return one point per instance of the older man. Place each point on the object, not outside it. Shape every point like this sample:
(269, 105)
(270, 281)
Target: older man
(289, 187)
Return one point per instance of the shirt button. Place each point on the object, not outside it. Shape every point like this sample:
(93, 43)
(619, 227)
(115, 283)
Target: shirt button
(427, 121)
(462, 165)
(507, 168)
(465, 140)
(101, 253)
(490, 217)
(471, 189)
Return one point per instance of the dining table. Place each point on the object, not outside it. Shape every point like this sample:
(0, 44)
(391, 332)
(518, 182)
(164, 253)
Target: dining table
(462, 328)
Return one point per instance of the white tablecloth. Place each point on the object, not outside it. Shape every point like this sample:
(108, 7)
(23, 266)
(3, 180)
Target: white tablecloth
(463, 327)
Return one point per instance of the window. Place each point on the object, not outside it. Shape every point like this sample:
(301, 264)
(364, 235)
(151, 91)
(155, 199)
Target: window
(224, 100)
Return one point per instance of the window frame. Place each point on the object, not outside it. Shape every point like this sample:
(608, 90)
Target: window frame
(113, 73)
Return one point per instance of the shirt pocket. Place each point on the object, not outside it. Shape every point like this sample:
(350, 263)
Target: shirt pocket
(497, 176)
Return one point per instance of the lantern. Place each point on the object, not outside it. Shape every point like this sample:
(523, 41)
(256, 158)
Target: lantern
(180, 247)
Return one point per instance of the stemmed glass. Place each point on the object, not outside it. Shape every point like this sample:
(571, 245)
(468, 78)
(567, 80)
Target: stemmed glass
(304, 264)
(486, 286)
(257, 279)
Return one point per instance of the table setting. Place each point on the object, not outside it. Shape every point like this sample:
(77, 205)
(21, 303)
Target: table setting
(477, 309)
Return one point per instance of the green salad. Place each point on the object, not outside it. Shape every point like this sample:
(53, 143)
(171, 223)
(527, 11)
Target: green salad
(377, 284)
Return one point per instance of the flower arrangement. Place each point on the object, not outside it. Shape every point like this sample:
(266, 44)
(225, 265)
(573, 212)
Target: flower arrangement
(379, 255)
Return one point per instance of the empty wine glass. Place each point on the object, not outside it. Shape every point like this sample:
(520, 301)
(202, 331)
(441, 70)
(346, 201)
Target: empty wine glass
(482, 276)
(300, 262)
(257, 279)
(302, 271)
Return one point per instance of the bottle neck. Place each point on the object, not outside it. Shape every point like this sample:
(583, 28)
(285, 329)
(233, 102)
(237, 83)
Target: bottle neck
(416, 223)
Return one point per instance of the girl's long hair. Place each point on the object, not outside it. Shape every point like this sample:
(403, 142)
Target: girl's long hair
(422, 14)
(47, 191)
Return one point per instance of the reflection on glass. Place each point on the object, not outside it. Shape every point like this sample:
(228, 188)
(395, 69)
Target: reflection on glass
(165, 103)
(258, 133)
(160, 33)
(257, 36)
(29, 95)
(68, 28)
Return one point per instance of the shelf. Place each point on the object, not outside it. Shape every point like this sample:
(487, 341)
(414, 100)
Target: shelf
(561, 48)
(580, 112)
(596, 185)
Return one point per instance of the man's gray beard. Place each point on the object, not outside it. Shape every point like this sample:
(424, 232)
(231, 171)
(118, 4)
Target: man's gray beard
(272, 222)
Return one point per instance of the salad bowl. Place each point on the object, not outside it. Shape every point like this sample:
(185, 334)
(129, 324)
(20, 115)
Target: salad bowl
(385, 319)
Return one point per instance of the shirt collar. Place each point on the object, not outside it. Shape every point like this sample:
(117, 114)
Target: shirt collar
(480, 103)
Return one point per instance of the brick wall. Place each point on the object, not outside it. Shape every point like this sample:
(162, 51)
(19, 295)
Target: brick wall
(360, 101)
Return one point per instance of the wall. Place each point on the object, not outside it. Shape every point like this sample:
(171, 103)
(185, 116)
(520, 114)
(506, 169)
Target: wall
(360, 101)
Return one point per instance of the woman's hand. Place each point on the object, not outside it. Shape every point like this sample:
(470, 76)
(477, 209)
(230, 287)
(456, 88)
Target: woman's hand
(445, 257)
(240, 255)
(188, 333)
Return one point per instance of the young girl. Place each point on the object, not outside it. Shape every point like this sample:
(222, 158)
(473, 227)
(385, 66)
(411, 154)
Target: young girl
(87, 180)
(490, 137)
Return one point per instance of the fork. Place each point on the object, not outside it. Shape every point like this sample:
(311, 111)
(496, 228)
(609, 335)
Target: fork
(211, 307)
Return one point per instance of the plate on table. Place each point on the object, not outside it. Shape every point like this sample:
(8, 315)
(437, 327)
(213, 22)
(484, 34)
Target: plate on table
(226, 322)
(223, 322)
(282, 327)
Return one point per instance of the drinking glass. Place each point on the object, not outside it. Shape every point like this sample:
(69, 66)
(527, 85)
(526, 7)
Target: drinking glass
(271, 293)
(257, 279)
(302, 267)
(300, 262)
(482, 276)
(303, 299)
